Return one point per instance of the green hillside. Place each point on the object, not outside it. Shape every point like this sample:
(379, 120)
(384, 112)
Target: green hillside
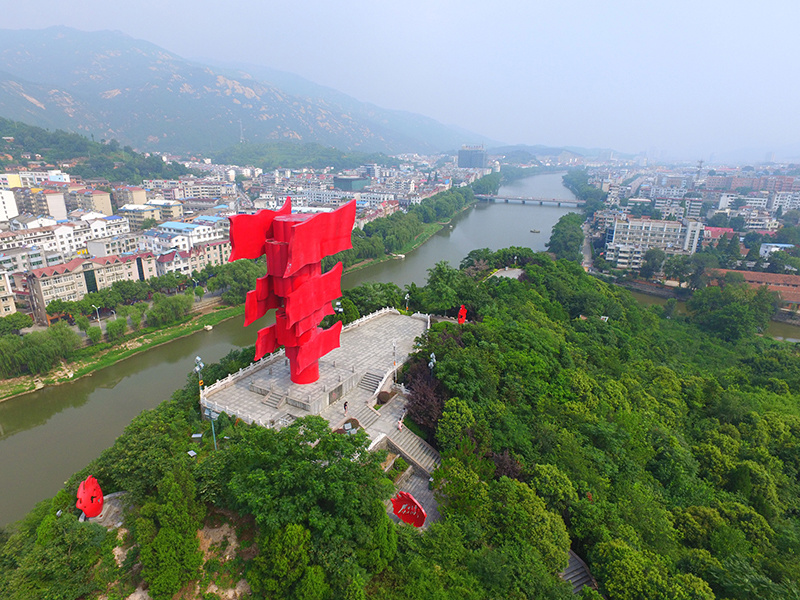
(566, 415)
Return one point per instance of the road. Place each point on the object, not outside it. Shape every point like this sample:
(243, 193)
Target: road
(586, 263)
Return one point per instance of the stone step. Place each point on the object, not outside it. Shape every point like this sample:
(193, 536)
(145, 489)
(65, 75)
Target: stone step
(359, 410)
(412, 446)
(370, 382)
(273, 399)
(577, 573)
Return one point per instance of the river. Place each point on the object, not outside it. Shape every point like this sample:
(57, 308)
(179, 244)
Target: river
(47, 435)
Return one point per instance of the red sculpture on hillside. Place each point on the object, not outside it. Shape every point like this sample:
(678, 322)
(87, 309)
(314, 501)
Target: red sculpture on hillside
(90, 497)
(462, 314)
(294, 284)
(407, 509)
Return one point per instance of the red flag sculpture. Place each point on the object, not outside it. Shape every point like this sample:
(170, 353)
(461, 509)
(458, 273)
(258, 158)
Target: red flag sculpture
(294, 284)
(408, 509)
(462, 314)
(90, 497)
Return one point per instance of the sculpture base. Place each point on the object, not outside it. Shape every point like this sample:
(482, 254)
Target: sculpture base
(308, 375)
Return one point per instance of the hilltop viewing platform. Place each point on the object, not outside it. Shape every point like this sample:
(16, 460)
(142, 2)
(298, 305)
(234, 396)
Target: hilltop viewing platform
(371, 348)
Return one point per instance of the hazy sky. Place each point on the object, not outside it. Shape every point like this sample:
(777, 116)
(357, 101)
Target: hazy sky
(675, 78)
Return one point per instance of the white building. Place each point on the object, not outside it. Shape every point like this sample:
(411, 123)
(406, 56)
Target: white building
(632, 238)
(7, 305)
(8, 205)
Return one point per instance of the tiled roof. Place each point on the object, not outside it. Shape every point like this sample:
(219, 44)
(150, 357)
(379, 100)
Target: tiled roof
(788, 286)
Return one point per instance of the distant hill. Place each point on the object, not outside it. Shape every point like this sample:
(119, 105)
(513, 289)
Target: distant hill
(110, 85)
(93, 159)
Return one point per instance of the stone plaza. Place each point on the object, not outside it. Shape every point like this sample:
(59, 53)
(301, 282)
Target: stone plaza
(371, 349)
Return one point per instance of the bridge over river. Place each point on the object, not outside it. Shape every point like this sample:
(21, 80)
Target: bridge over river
(531, 200)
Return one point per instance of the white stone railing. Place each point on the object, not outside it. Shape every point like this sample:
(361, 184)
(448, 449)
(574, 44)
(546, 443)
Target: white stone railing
(365, 318)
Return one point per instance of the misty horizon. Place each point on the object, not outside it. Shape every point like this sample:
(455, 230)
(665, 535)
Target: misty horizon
(677, 82)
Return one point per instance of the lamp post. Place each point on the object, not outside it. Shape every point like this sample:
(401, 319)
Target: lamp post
(432, 363)
(195, 281)
(97, 310)
(115, 314)
(407, 297)
(213, 416)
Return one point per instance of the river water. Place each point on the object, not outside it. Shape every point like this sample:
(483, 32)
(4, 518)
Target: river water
(47, 435)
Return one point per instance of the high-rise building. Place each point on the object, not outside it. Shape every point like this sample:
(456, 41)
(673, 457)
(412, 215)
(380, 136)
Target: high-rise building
(472, 157)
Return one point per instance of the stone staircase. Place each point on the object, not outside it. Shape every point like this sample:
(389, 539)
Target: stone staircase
(366, 415)
(370, 382)
(274, 399)
(412, 447)
(577, 573)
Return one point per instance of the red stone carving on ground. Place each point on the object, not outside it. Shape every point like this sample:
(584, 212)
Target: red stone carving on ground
(90, 497)
(407, 509)
(294, 284)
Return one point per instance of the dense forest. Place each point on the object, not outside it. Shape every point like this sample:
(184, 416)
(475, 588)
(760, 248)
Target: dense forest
(294, 155)
(104, 159)
(658, 447)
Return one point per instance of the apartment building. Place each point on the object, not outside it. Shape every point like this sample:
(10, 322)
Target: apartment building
(199, 231)
(73, 280)
(168, 209)
(129, 194)
(139, 213)
(159, 242)
(32, 178)
(7, 305)
(8, 205)
(195, 259)
(631, 238)
(89, 199)
(27, 259)
(667, 192)
(127, 243)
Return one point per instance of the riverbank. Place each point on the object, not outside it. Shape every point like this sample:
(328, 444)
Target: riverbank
(429, 230)
(135, 343)
(145, 340)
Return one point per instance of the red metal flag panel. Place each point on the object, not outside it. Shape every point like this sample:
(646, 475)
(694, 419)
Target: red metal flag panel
(294, 246)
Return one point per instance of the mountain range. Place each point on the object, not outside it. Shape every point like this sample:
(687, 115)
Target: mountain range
(108, 85)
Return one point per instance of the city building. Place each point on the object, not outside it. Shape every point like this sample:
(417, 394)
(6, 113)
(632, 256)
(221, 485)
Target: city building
(89, 199)
(630, 239)
(8, 205)
(788, 286)
(472, 157)
(73, 280)
(7, 305)
(129, 194)
(114, 244)
(137, 214)
(168, 209)
(197, 258)
(350, 183)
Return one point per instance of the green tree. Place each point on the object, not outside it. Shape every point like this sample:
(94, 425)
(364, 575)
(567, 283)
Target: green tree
(115, 330)
(94, 334)
(566, 239)
(653, 261)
